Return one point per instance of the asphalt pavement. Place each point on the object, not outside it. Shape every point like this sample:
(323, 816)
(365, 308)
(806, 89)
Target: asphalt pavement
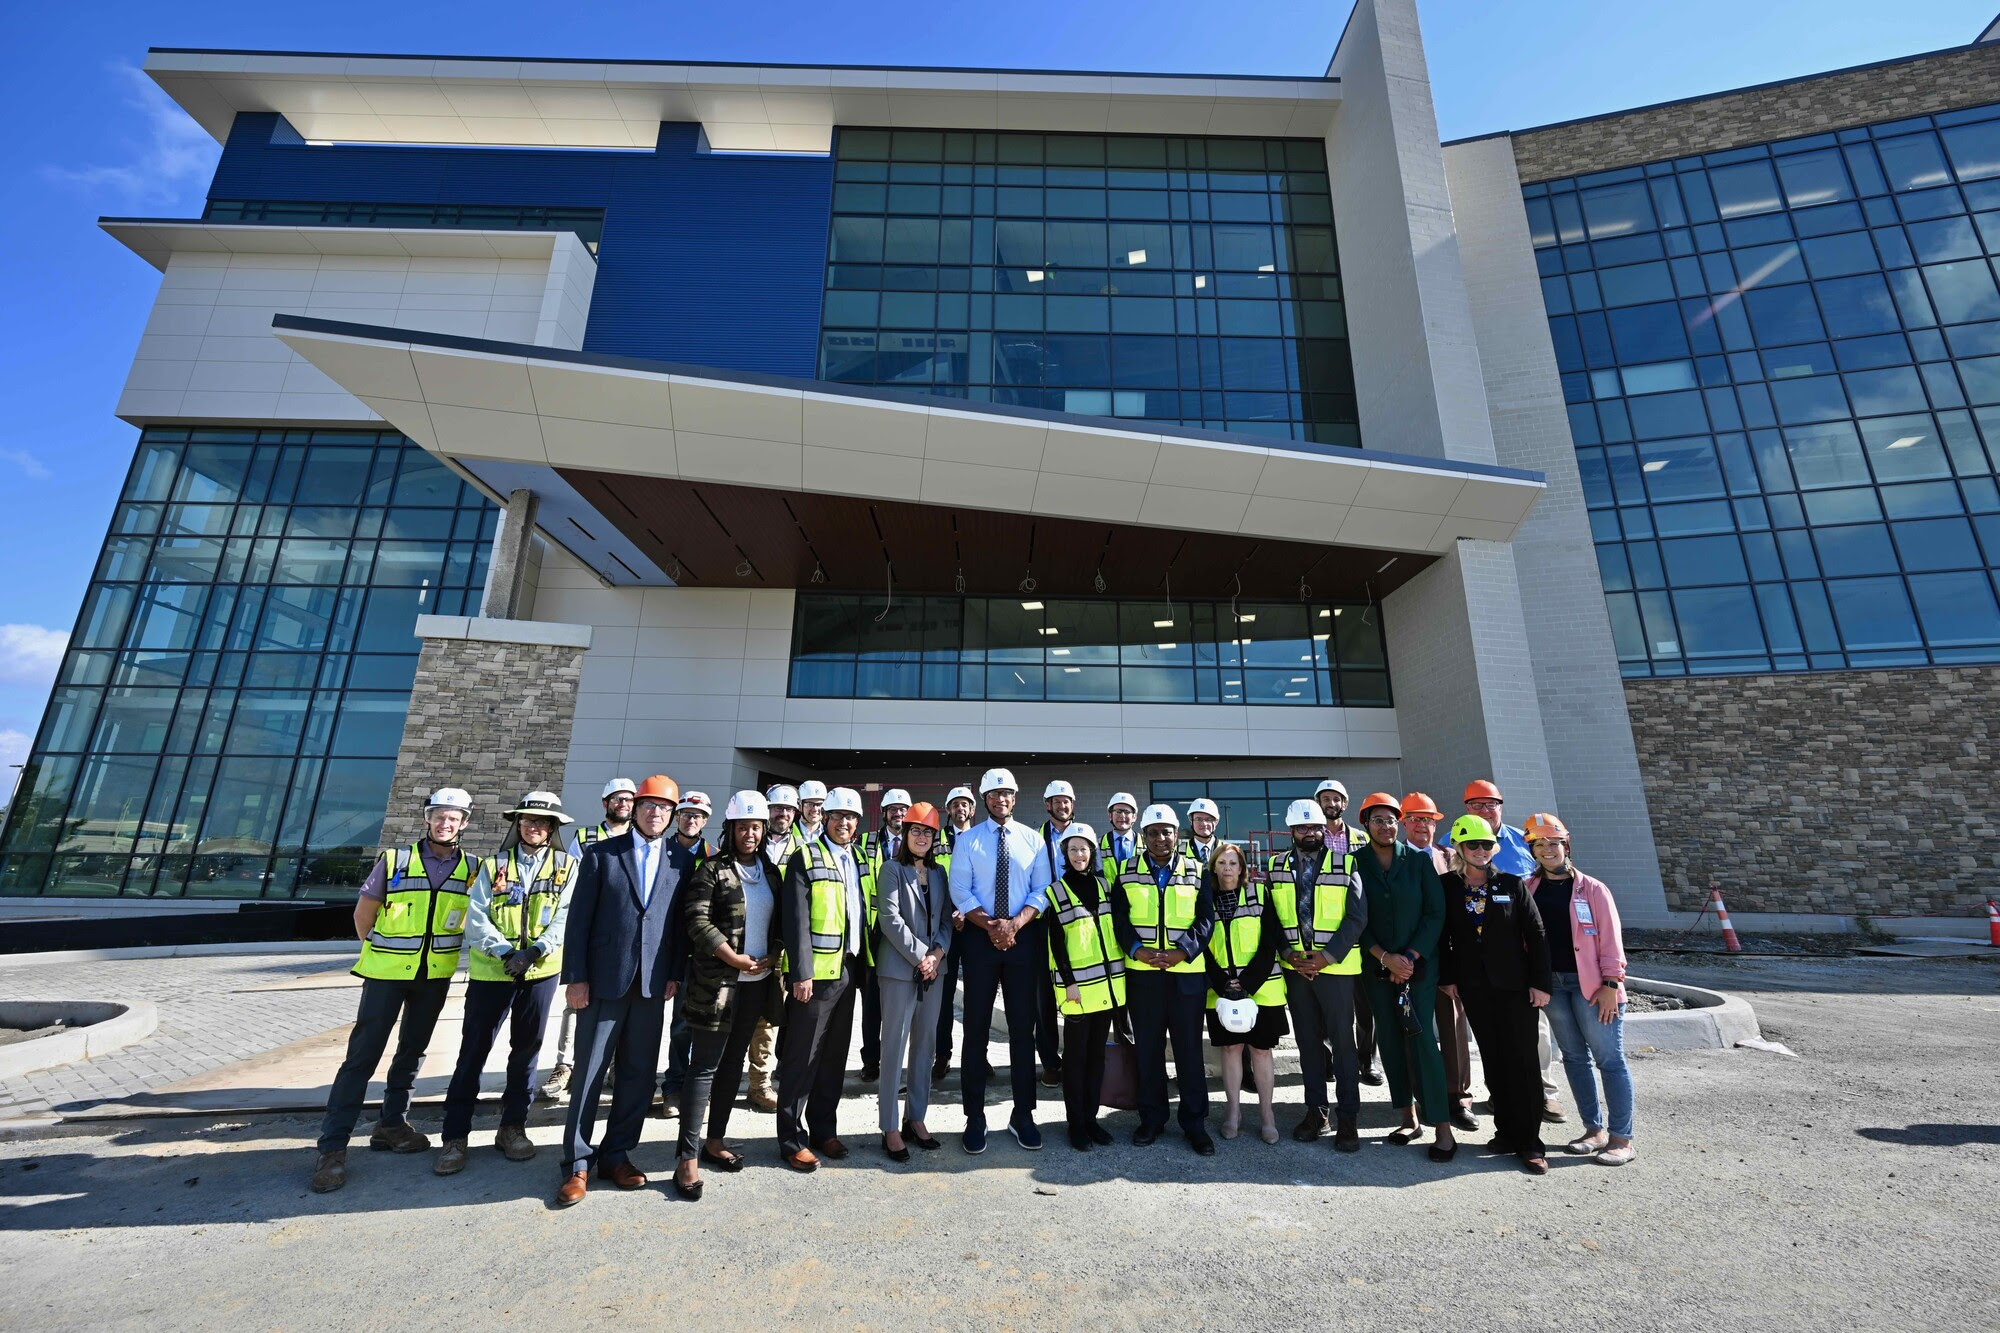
(1851, 1187)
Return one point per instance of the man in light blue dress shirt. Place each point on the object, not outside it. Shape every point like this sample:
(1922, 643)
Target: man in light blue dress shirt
(1000, 881)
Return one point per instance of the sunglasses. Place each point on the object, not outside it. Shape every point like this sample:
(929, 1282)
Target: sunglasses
(1472, 846)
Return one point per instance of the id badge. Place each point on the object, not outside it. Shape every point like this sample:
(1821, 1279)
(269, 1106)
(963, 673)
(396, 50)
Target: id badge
(1501, 899)
(1583, 916)
(452, 918)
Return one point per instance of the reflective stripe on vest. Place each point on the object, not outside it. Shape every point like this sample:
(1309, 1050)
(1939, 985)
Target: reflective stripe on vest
(524, 922)
(418, 931)
(1143, 905)
(1330, 890)
(1096, 966)
(827, 909)
(1235, 940)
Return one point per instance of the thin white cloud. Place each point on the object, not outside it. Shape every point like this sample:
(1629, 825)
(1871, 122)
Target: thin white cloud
(28, 465)
(29, 654)
(168, 151)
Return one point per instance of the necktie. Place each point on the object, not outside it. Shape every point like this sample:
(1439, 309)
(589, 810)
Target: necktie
(1124, 847)
(645, 873)
(1001, 906)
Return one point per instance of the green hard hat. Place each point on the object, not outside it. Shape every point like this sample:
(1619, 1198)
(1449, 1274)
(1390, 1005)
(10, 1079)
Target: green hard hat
(1471, 828)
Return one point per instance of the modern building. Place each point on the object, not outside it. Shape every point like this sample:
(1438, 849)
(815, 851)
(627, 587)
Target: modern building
(526, 422)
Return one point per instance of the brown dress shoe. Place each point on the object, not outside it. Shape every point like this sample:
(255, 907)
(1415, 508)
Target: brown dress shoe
(802, 1161)
(572, 1190)
(330, 1173)
(624, 1175)
(831, 1149)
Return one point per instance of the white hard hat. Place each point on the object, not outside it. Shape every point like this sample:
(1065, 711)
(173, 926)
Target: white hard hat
(997, 779)
(1160, 814)
(1331, 784)
(783, 795)
(450, 798)
(843, 799)
(1058, 788)
(544, 803)
(895, 796)
(1304, 813)
(1201, 805)
(748, 805)
(617, 785)
(695, 800)
(1119, 798)
(1078, 829)
(957, 792)
(811, 790)
(1236, 1015)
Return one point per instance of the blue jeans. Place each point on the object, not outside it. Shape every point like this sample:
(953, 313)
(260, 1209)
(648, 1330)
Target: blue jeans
(1587, 1043)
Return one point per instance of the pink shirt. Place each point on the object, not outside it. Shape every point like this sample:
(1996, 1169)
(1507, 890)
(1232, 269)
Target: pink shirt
(1594, 930)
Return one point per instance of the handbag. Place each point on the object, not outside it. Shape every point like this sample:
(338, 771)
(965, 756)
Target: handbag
(1120, 1090)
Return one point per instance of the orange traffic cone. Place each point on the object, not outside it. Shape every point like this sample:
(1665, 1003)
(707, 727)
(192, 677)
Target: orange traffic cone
(1993, 923)
(1730, 943)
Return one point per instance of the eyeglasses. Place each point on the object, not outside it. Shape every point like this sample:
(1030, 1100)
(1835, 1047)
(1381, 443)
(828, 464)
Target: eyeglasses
(655, 806)
(1482, 804)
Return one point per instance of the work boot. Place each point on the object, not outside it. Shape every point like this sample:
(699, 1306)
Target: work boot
(1312, 1126)
(1346, 1137)
(764, 1099)
(513, 1140)
(556, 1084)
(331, 1172)
(452, 1160)
(398, 1138)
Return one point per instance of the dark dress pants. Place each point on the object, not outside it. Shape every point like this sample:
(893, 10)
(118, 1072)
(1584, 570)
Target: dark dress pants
(1168, 1006)
(1364, 1029)
(1016, 976)
(812, 1061)
(627, 1031)
(871, 1015)
(524, 1007)
(383, 1003)
(1323, 1015)
(948, 980)
(715, 1065)
(1084, 1036)
(1508, 1030)
(1048, 1022)
(680, 1047)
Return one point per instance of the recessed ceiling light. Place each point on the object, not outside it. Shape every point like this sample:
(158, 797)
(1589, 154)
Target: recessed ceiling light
(1200, 281)
(1905, 442)
(1036, 275)
(1324, 613)
(1048, 629)
(1232, 682)
(1336, 610)
(1071, 671)
(1247, 619)
(1169, 645)
(1135, 256)
(1321, 638)
(1291, 694)
(1163, 624)
(1058, 652)
(1267, 268)
(1031, 606)
(1655, 465)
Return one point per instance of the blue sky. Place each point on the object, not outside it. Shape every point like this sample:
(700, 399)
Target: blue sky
(93, 137)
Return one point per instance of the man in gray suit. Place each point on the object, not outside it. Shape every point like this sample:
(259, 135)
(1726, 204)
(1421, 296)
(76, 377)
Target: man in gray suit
(621, 963)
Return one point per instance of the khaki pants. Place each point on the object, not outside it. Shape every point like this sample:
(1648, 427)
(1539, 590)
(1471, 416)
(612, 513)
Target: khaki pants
(763, 1058)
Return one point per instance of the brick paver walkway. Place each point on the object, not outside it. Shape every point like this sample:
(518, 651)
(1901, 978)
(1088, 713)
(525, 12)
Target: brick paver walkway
(212, 1013)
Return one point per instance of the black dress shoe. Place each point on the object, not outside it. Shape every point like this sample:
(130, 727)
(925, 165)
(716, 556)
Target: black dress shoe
(1145, 1137)
(692, 1193)
(1203, 1145)
(1462, 1118)
(732, 1162)
(940, 1069)
(924, 1141)
(1346, 1137)
(1079, 1139)
(1052, 1076)
(869, 1073)
(1371, 1076)
(1311, 1127)
(901, 1154)
(1099, 1135)
(1444, 1154)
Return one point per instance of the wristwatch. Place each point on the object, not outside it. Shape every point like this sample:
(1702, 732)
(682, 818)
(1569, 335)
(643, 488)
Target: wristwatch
(1616, 983)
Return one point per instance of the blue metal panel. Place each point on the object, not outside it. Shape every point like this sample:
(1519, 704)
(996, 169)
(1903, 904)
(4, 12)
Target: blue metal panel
(710, 259)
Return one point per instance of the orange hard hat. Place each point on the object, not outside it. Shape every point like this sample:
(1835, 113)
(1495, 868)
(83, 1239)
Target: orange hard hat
(1540, 826)
(923, 812)
(1481, 790)
(1416, 803)
(659, 787)
(1373, 799)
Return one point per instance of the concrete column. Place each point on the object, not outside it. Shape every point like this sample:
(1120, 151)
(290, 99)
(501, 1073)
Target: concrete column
(1592, 757)
(1416, 366)
(507, 567)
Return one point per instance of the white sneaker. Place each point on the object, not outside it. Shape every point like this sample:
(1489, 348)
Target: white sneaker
(1616, 1156)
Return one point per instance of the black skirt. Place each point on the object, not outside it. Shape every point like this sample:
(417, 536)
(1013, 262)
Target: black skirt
(1271, 1024)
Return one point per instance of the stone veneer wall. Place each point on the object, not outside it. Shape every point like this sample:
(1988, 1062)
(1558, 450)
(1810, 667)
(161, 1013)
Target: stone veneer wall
(1917, 86)
(1844, 792)
(488, 715)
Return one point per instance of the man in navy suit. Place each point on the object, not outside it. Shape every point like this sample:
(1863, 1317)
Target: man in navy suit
(621, 963)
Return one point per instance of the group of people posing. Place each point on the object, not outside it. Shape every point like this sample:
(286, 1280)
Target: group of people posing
(1122, 945)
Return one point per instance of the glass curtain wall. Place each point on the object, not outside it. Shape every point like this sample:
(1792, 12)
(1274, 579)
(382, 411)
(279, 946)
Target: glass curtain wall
(1064, 650)
(1783, 372)
(1249, 806)
(1187, 280)
(226, 718)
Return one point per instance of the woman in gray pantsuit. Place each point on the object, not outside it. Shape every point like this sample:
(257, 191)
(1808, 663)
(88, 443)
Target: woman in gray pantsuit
(913, 908)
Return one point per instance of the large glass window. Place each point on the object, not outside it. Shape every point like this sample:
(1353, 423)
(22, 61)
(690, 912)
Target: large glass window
(226, 719)
(1188, 280)
(1253, 809)
(1069, 650)
(1783, 372)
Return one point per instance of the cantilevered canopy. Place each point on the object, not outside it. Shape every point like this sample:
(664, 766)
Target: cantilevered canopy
(517, 409)
(746, 108)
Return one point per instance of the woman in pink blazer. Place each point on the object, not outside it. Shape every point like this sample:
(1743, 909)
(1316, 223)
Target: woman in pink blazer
(1587, 1011)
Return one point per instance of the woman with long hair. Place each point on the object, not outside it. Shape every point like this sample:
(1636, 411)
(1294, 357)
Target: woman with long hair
(913, 908)
(1246, 990)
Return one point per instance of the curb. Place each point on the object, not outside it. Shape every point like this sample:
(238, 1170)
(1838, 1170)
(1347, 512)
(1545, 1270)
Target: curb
(232, 948)
(1714, 1021)
(133, 1022)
